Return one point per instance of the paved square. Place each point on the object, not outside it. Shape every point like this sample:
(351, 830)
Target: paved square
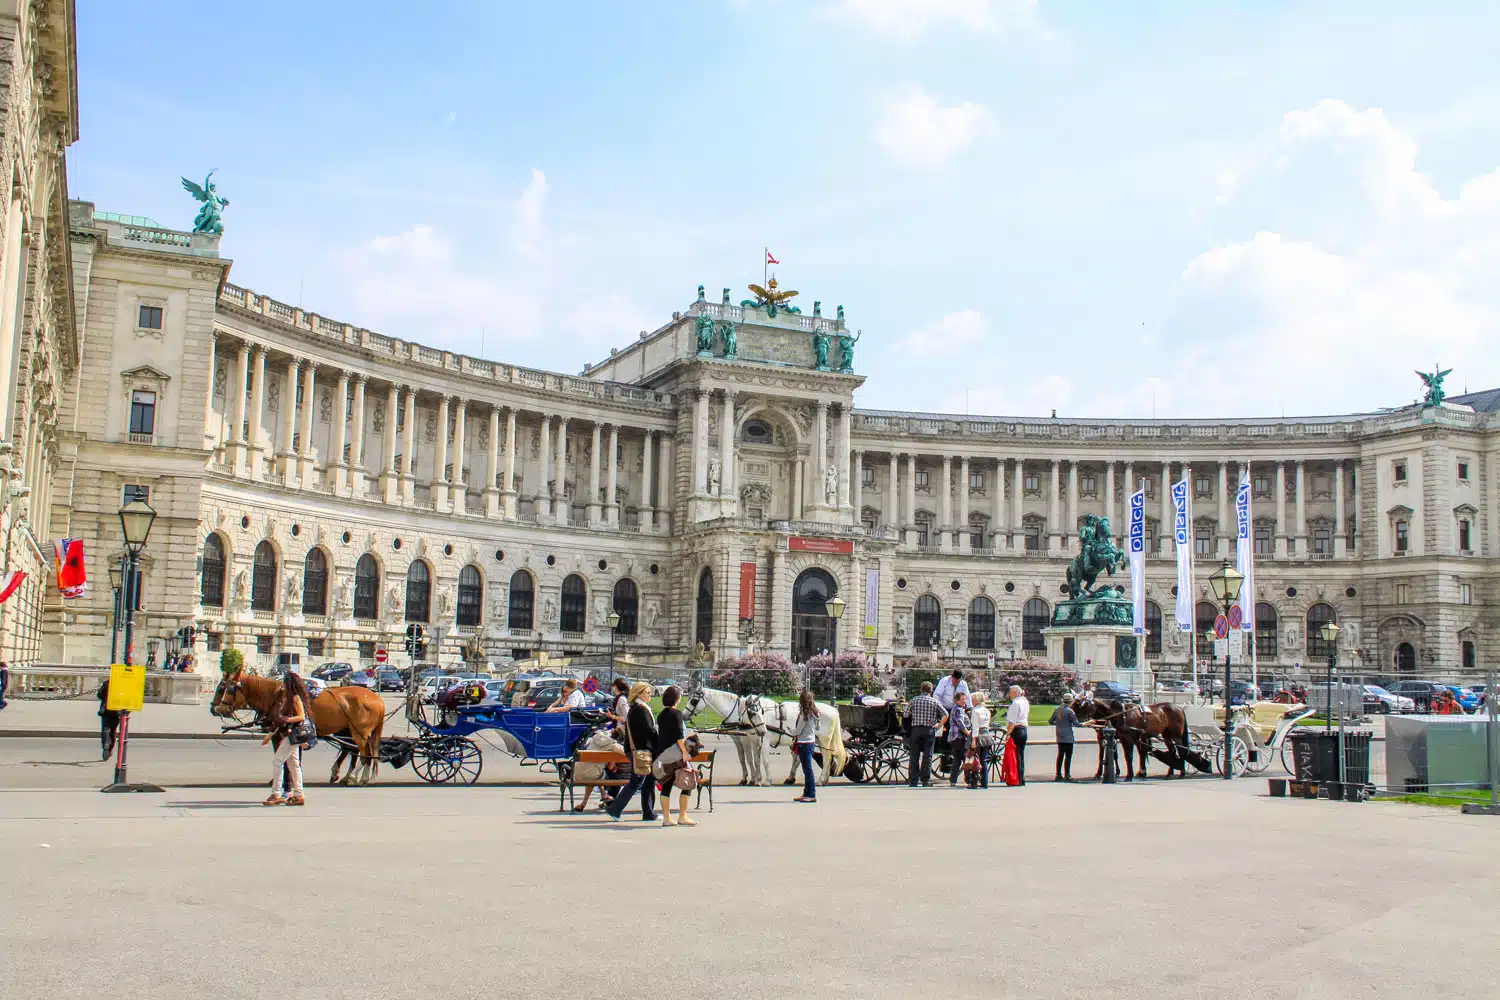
(1186, 889)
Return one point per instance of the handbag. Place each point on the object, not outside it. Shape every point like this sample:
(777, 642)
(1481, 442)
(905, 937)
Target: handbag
(686, 778)
(304, 734)
(640, 760)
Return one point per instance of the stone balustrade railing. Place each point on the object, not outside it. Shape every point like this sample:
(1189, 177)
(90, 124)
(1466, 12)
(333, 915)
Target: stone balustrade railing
(62, 681)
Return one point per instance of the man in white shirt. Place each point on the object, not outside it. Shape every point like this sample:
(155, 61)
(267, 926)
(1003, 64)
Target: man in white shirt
(949, 686)
(1017, 718)
(571, 700)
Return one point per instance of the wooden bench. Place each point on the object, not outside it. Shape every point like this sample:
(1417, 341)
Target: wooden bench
(567, 782)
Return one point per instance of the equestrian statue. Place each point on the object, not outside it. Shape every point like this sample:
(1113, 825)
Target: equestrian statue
(1096, 553)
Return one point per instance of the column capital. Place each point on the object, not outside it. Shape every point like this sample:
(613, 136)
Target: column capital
(704, 392)
(358, 378)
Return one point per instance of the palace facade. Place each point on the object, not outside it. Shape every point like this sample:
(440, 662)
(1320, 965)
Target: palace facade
(321, 486)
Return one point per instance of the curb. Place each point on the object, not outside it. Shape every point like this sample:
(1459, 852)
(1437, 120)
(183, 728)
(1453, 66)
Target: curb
(93, 734)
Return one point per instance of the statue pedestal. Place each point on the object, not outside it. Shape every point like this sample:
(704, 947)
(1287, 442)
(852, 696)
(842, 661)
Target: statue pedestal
(1094, 637)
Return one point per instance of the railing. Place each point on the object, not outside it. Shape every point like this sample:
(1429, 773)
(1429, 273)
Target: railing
(162, 237)
(54, 681)
(136, 438)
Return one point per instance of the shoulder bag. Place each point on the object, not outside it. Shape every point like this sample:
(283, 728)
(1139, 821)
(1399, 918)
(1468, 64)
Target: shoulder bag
(686, 778)
(640, 760)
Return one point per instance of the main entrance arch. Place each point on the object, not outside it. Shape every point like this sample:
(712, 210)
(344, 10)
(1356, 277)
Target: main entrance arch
(812, 629)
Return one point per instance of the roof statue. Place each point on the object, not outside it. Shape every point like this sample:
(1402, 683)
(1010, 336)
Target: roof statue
(208, 220)
(1434, 382)
(769, 299)
(846, 351)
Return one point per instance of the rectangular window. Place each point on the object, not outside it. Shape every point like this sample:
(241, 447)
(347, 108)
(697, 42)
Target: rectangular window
(924, 478)
(315, 647)
(1402, 540)
(150, 318)
(132, 493)
(1463, 471)
(1322, 542)
(1463, 537)
(1147, 482)
(1203, 486)
(867, 476)
(1465, 594)
(263, 644)
(922, 527)
(1088, 484)
(976, 538)
(215, 642)
(1262, 541)
(1403, 593)
(367, 649)
(1398, 471)
(1031, 483)
(1033, 538)
(976, 480)
(142, 413)
(1203, 540)
(1261, 484)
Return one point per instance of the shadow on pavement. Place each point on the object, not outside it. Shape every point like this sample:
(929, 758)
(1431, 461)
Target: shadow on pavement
(212, 805)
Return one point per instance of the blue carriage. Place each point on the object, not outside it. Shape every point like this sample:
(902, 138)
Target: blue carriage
(446, 753)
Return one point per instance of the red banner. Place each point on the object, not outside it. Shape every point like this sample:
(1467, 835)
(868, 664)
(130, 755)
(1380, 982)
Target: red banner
(747, 590)
(832, 546)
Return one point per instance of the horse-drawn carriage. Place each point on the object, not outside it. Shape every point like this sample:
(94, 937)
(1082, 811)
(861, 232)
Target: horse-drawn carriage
(1258, 734)
(447, 752)
(874, 742)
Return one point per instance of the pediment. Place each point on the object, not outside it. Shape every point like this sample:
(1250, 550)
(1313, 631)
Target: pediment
(146, 373)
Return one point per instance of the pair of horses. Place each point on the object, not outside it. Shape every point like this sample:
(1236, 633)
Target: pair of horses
(353, 712)
(751, 718)
(1137, 726)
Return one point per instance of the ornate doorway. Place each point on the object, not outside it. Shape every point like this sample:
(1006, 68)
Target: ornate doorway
(812, 629)
(1405, 657)
(703, 620)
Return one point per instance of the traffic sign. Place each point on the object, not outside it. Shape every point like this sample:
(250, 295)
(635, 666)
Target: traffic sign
(381, 656)
(1221, 648)
(1236, 616)
(1236, 643)
(590, 684)
(1221, 627)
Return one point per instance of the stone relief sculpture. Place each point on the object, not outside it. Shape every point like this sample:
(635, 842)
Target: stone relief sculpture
(820, 350)
(343, 604)
(241, 589)
(444, 603)
(549, 612)
(653, 612)
(831, 485)
(731, 342)
(902, 630)
(756, 494)
(601, 610)
(395, 606)
(293, 588)
(1291, 637)
(705, 331)
(1009, 631)
(714, 472)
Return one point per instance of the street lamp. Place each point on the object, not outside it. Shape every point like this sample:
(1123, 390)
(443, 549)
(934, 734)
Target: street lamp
(136, 519)
(1225, 582)
(1330, 635)
(613, 621)
(835, 609)
(115, 572)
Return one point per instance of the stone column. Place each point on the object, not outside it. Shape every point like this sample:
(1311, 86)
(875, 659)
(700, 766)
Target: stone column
(460, 451)
(1109, 498)
(778, 604)
(856, 484)
(409, 448)
(508, 484)
(647, 506)
(355, 478)
(1054, 515)
(612, 498)
(997, 508)
(1225, 531)
(820, 455)
(390, 476)
(1281, 532)
(492, 467)
(1122, 526)
(340, 431)
(1301, 509)
(237, 389)
(1167, 513)
(560, 502)
(846, 470)
(945, 509)
(309, 407)
(909, 515)
(1018, 505)
(797, 475)
(726, 448)
(544, 467)
(1340, 543)
(668, 487)
(700, 446)
(595, 444)
(257, 406)
(964, 542)
(287, 456)
(439, 482)
(892, 505)
(1071, 532)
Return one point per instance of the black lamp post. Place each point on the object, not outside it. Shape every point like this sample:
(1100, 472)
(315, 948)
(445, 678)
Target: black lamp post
(835, 609)
(614, 623)
(136, 519)
(1225, 582)
(115, 571)
(1330, 634)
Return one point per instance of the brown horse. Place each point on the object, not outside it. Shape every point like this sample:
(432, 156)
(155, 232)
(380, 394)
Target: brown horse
(354, 711)
(1136, 727)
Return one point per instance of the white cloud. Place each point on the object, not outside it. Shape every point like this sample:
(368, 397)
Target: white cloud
(907, 19)
(530, 207)
(954, 333)
(918, 132)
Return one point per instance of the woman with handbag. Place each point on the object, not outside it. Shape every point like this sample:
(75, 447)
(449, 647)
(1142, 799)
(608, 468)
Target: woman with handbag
(984, 741)
(805, 742)
(672, 760)
(290, 726)
(640, 736)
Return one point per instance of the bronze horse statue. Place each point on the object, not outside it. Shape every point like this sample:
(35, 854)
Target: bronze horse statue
(356, 712)
(1096, 554)
(1136, 727)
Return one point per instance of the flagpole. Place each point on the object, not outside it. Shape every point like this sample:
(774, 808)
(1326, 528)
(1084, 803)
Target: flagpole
(765, 266)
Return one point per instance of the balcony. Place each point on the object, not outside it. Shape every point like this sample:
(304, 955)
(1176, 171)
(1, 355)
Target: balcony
(136, 438)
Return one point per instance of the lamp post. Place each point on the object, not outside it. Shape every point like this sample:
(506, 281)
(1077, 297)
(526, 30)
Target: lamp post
(136, 519)
(115, 571)
(614, 623)
(835, 609)
(1330, 634)
(1225, 582)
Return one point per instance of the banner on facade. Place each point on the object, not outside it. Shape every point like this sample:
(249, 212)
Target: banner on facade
(747, 590)
(1182, 537)
(1244, 549)
(872, 603)
(829, 546)
(72, 575)
(1138, 561)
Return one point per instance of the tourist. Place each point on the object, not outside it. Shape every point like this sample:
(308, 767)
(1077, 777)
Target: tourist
(923, 715)
(949, 687)
(109, 723)
(984, 741)
(805, 742)
(640, 735)
(621, 706)
(958, 736)
(4, 681)
(1017, 718)
(571, 699)
(601, 741)
(1064, 718)
(670, 754)
(287, 733)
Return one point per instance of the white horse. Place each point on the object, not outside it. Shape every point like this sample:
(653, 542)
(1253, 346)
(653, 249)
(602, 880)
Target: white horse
(746, 714)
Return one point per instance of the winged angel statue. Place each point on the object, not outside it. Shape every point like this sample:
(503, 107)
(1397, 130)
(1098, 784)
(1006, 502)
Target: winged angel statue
(1434, 382)
(208, 220)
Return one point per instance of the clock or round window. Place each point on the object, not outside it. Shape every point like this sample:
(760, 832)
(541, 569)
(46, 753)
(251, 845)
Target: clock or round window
(757, 432)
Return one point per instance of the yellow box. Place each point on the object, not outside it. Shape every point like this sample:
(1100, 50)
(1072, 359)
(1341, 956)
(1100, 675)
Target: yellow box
(127, 687)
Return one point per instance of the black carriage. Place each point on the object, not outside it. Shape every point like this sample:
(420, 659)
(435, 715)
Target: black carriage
(874, 743)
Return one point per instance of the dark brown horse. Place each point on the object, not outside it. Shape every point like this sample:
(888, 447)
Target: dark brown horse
(1136, 727)
(356, 712)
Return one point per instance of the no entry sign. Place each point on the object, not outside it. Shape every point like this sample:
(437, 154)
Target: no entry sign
(381, 656)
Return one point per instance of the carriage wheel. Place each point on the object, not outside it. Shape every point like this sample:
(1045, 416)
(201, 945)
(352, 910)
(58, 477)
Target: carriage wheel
(1239, 756)
(1264, 756)
(429, 763)
(462, 760)
(890, 763)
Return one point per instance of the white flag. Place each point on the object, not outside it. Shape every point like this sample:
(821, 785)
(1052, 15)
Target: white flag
(1183, 534)
(1138, 561)
(1244, 550)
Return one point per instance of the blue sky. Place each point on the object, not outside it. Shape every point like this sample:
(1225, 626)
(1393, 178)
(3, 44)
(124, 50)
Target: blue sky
(1120, 209)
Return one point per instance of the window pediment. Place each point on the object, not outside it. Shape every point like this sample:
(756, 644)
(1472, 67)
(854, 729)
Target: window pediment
(1400, 510)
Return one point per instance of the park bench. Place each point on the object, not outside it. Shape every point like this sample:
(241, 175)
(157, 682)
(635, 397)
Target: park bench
(567, 781)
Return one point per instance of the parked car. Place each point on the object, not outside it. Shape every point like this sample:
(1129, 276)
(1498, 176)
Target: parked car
(333, 673)
(434, 685)
(1379, 701)
(360, 678)
(389, 679)
(1420, 692)
(544, 694)
(517, 689)
(1173, 686)
(1468, 700)
(1242, 693)
(1115, 690)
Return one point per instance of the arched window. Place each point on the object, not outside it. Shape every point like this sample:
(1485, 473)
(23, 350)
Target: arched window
(703, 619)
(1153, 628)
(367, 588)
(263, 578)
(1204, 614)
(1035, 616)
(812, 629)
(470, 595)
(1316, 616)
(981, 623)
(1405, 658)
(927, 622)
(211, 586)
(418, 592)
(575, 599)
(1265, 629)
(522, 601)
(626, 604)
(315, 583)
